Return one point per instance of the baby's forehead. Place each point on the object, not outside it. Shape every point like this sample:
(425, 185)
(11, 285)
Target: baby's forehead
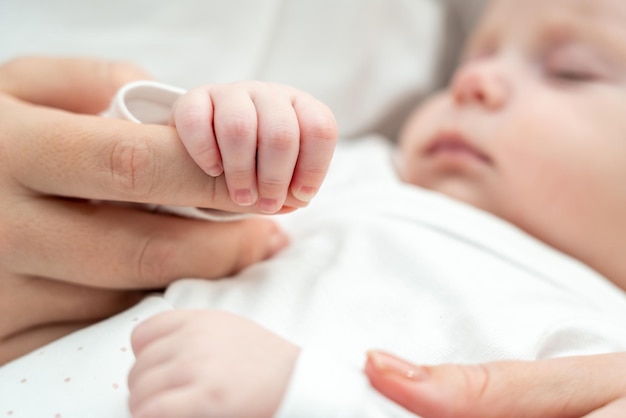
(593, 19)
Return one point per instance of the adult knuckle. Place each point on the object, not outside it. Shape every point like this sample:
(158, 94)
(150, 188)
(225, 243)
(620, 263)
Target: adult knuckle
(132, 168)
(469, 392)
(249, 245)
(155, 261)
(477, 382)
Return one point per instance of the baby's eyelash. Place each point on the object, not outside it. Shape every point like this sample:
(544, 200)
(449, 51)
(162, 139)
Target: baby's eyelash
(573, 75)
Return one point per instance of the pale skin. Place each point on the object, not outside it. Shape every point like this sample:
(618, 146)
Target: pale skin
(532, 129)
(269, 140)
(66, 262)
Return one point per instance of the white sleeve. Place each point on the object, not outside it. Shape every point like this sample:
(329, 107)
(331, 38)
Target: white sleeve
(322, 386)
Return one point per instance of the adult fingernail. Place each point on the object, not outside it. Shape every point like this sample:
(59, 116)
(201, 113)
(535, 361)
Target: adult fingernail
(393, 366)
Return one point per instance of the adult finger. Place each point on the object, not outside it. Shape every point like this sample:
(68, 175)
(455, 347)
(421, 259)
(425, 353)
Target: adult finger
(548, 388)
(134, 248)
(54, 309)
(53, 302)
(96, 158)
(318, 137)
(79, 85)
(615, 409)
(20, 344)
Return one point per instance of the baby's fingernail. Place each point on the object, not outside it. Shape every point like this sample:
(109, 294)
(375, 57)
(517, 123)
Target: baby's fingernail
(268, 205)
(243, 197)
(216, 170)
(304, 193)
(393, 366)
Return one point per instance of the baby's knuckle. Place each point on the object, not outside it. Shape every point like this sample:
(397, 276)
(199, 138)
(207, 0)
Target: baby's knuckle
(189, 118)
(239, 127)
(324, 129)
(273, 186)
(132, 167)
(282, 137)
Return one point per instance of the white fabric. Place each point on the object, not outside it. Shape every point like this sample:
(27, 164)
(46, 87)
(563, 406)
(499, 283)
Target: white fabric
(367, 59)
(373, 264)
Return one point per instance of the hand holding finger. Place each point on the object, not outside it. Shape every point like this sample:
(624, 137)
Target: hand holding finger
(58, 249)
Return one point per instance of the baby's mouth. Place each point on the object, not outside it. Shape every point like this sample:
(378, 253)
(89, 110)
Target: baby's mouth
(454, 144)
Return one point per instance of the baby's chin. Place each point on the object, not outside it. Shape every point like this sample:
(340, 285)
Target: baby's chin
(456, 188)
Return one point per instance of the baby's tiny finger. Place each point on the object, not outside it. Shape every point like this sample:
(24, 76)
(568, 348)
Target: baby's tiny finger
(149, 381)
(153, 329)
(193, 118)
(318, 137)
(179, 402)
(279, 143)
(235, 124)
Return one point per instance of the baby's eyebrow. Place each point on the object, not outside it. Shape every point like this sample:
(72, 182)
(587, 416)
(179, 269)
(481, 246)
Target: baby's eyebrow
(485, 40)
(608, 36)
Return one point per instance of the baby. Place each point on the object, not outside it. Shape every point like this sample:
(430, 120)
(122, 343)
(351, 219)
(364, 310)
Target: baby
(531, 129)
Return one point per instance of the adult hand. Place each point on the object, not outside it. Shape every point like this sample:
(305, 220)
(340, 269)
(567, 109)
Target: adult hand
(589, 386)
(66, 262)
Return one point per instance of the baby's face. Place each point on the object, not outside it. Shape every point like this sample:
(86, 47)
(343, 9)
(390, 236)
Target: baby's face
(533, 126)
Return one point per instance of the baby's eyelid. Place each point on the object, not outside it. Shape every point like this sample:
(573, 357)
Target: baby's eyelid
(577, 59)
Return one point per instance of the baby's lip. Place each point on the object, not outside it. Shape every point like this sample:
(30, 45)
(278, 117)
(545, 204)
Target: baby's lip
(454, 142)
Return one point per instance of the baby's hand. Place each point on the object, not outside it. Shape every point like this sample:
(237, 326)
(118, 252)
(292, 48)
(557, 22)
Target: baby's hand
(268, 139)
(206, 364)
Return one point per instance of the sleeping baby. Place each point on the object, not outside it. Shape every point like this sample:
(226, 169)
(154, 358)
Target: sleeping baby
(490, 231)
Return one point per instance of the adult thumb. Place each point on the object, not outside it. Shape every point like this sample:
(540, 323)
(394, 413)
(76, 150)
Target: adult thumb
(563, 387)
